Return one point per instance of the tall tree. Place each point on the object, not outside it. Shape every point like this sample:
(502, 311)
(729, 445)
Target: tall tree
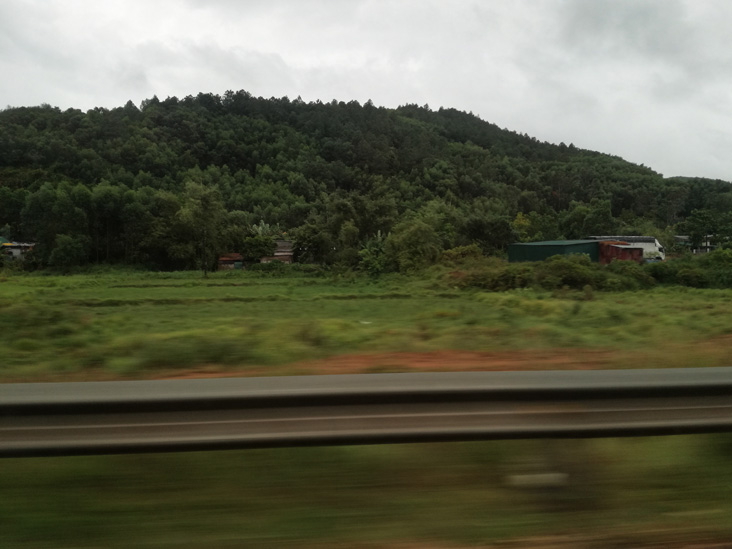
(200, 222)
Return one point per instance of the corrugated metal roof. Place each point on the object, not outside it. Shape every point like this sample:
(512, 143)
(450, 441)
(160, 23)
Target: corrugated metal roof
(625, 238)
(283, 246)
(231, 257)
(556, 242)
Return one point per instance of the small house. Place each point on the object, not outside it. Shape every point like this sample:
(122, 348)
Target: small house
(16, 250)
(229, 262)
(283, 252)
(705, 246)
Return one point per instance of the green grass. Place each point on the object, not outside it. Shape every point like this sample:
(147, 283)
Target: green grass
(121, 325)
(621, 490)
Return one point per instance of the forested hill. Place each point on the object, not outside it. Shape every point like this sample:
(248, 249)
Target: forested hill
(174, 182)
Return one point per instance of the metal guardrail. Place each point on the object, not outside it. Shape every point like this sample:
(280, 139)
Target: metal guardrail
(47, 419)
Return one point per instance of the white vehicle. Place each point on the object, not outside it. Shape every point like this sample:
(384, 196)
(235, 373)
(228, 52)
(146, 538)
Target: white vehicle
(652, 248)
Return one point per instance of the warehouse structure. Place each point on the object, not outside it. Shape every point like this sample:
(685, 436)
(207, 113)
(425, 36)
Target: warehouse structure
(599, 251)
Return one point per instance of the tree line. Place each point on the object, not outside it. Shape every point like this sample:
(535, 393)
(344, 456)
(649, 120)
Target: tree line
(172, 183)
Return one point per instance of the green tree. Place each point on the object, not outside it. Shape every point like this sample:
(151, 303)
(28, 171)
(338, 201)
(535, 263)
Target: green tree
(235, 231)
(256, 247)
(412, 245)
(51, 211)
(69, 251)
(198, 225)
(493, 233)
(699, 225)
(106, 205)
(372, 256)
(313, 243)
(582, 220)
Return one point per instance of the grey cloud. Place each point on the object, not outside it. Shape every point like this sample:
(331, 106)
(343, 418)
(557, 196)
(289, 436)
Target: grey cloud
(649, 28)
(190, 68)
(678, 41)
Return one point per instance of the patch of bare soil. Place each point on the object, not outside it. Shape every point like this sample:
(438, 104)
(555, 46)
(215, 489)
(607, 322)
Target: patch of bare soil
(436, 361)
(663, 541)
(708, 352)
(463, 361)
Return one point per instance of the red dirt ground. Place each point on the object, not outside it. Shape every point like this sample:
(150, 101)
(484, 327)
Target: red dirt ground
(436, 361)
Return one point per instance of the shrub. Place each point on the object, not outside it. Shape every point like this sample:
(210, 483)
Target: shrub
(462, 254)
(662, 271)
(519, 275)
(691, 276)
(717, 266)
(372, 257)
(616, 283)
(70, 251)
(412, 245)
(717, 258)
(499, 277)
(273, 266)
(632, 270)
(256, 247)
(574, 271)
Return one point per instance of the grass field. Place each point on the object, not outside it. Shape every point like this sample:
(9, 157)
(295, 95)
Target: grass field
(137, 325)
(123, 325)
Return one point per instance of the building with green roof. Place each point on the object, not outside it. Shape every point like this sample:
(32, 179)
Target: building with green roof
(539, 251)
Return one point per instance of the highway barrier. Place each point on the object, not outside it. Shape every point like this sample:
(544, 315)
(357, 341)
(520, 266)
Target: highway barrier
(49, 419)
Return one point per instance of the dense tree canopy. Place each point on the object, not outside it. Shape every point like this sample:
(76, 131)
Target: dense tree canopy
(176, 181)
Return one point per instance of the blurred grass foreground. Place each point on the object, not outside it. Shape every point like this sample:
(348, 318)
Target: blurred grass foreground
(670, 492)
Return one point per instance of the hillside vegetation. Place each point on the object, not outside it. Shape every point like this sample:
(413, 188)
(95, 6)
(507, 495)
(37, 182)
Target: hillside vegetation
(172, 183)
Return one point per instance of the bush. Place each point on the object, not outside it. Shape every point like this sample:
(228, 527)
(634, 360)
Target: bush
(515, 276)
(574, 271)
(372, 258)
(462, 254)
(70, 251)
(485, 279)
(632, 270)
(691, 276)
(412, 245)
(717, 266)
(717, 258)
(713, 270)
(662, 271)
(257, 247)
(273, 266)
(498, 276)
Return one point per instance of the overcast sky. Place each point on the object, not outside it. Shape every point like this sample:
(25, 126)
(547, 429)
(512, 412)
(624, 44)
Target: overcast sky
(648, 80)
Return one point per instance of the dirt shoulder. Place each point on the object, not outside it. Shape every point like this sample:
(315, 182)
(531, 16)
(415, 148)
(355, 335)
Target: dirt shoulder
(436, 361)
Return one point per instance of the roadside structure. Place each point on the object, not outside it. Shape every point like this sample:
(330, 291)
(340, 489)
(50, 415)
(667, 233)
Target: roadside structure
(283, 252)
(16, 250)
(652, 248)
(705, 246)
(229, 262)
(602, 252)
